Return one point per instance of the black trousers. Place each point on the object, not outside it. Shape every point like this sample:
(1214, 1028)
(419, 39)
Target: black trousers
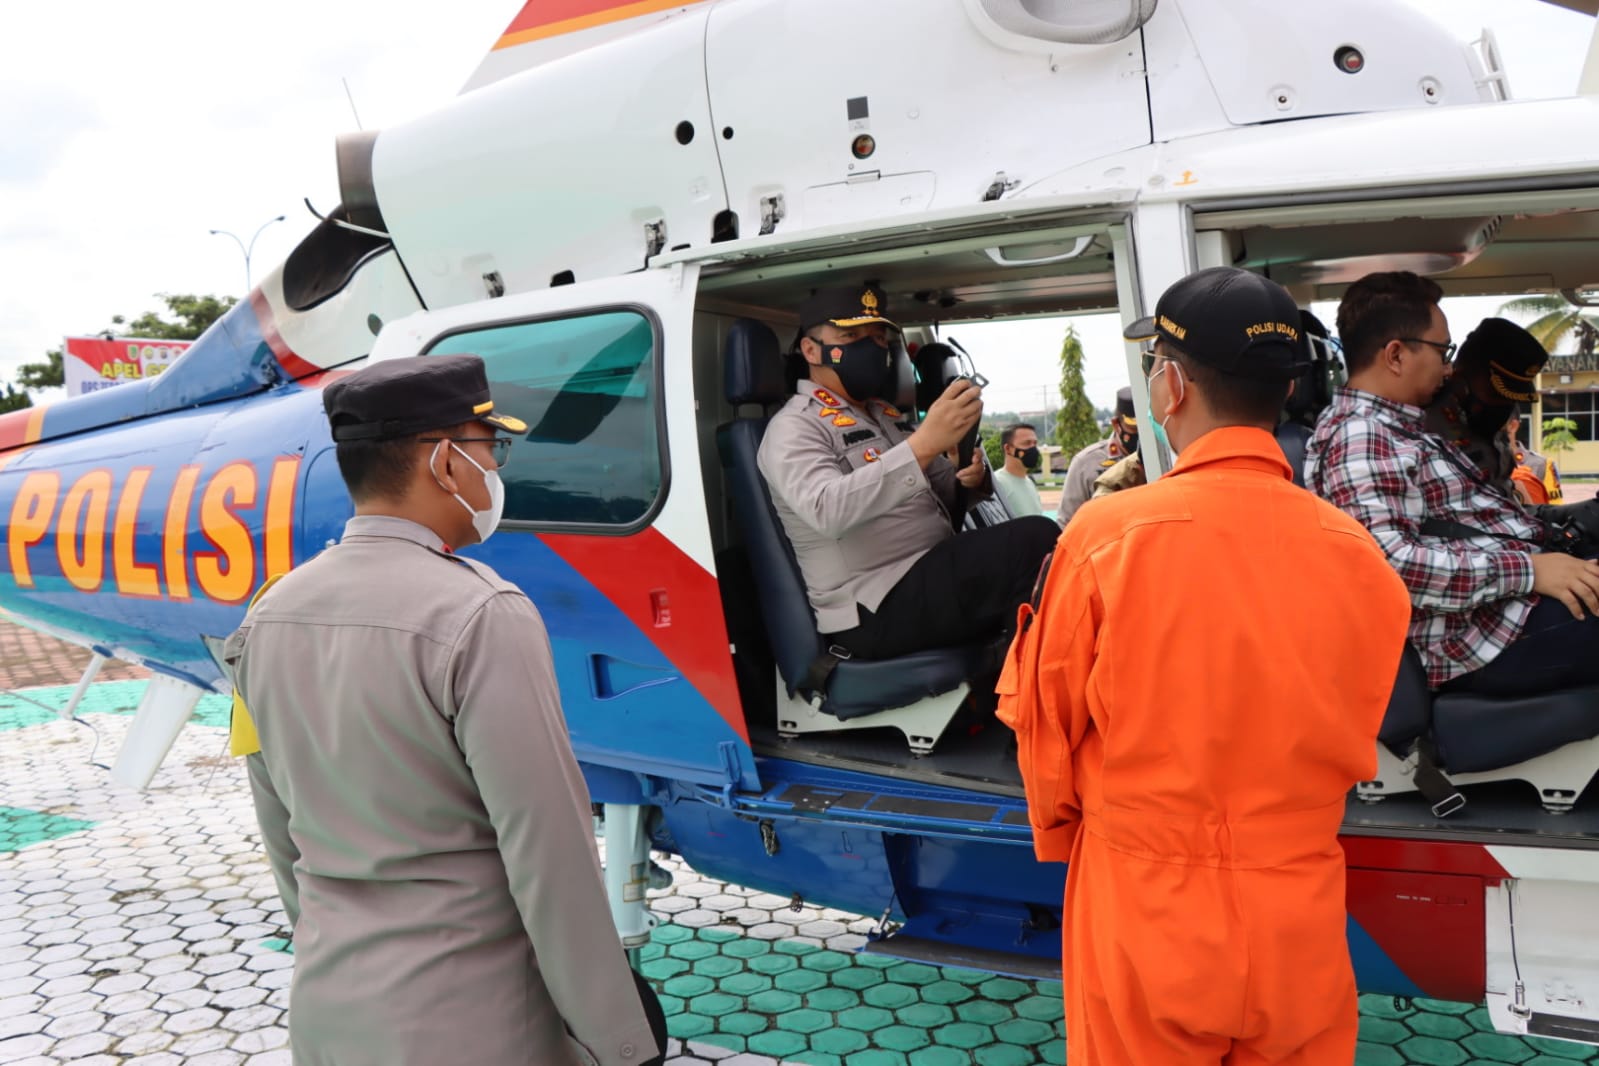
(1554, 651)
(963, 590)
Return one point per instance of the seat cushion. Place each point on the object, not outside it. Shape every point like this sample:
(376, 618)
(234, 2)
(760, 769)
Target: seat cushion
(1477, 733)
(860, 687)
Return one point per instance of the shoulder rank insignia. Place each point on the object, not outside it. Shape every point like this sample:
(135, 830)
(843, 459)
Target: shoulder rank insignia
(843, 420)
(890, 410)
(871, 455)
(827, 412)
(1108, 462)
(827, 398)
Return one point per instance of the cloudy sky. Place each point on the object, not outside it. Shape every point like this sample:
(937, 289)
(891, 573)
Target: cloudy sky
(128, 130)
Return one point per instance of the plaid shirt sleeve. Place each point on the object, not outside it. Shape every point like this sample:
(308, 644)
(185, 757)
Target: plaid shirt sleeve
(1364, 474)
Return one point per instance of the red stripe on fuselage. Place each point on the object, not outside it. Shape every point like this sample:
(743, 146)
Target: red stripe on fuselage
(1390, 853)
(628, 571)
(293, 364)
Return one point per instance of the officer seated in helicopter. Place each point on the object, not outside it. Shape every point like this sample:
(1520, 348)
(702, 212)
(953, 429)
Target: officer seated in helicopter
(868, 498)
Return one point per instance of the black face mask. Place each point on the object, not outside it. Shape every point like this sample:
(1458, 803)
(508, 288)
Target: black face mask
(1127, 441)
(1029, 457)
(1485, 420)
(862, 366)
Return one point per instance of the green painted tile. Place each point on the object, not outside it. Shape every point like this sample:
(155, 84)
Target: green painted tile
(745, 985)
(671, 934)
(961, 975)
(20, 827)
(1560, 1049)
(818, 1058)
(1443, 1006)
(1443, 1026)
(890, 996)
(651, 951)
(1040, 1008)
(719, 966)
(669, 1004)
(778, 1043)
(826, 961)
(940, 1056)
(692, 950)
(688, 1026)
(875, 1057)
(965, 1035)
(689, 985)
(914, 973)
(1003, 1055)
(1053, 1053)
(1383, 1007)
(858, 977)
(925, 1015)
(1430, 1051)
(715, 1004)
(1550, 1060)
(839, 1041)
(771, 965)
(1480, 1021)
(947, 992)
(865, 1019)
(730, 1041)
(719, 936)
(794, 947)
(805, 1021)
(1003, 989)
(1024, 1033)
(743, 1023)
(1377, 1055)
(775, 1001)
(832, 999)
(902, 1038)
(747, 947)
(798, 980)
(983, 1012)
(1383, 1031)
(876, 962)
(1498, 1047)
(1052, 989)
(663, 969)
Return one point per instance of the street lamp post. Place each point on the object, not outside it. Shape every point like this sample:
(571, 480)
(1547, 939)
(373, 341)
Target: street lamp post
(246, 249)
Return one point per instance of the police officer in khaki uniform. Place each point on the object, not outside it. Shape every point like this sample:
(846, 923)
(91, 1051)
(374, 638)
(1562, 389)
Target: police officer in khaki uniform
(419, 802)
(1098, 458)
(867, 497)
(1536, 477)
(1496, 368)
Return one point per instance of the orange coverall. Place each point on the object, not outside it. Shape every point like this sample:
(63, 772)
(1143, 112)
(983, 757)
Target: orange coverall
(1198, 689)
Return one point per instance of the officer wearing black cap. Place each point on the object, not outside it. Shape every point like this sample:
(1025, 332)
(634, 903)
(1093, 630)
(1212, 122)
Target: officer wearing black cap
(1096, 460)
(426, 822)
(1184, 754)
(1496, 368)
(866, 496)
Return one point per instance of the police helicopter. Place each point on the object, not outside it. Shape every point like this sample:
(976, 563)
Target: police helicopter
(620, 215)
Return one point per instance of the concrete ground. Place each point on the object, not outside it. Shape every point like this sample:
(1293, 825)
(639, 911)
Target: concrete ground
(143, 929)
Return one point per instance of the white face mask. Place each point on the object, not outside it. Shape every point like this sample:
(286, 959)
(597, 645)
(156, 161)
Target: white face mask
(484, 522)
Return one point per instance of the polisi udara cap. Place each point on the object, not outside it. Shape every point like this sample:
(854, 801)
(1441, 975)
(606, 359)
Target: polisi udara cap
(1230, 320)
(398, 397)
(845, 306)
(1509, 356)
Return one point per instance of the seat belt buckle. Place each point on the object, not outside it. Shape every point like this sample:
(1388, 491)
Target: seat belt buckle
(1448, 805)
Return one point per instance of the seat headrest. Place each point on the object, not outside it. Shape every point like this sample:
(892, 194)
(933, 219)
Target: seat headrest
(936, 365)
(754, 369)
(755, 366)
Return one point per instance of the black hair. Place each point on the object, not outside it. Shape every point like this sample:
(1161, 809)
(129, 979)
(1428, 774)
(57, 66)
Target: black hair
(1383, 307)
(1232, 398)
(1008, 434)
(377, 469)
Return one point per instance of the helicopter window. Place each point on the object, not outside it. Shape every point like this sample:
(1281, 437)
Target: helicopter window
(586, 387)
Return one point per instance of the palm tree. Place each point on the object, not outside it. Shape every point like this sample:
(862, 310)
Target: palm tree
(1558, 318)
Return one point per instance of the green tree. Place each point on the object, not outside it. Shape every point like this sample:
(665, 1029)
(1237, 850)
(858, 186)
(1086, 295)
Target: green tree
(1557, 319)
(13, 400)
(45, 375)
(989, 437)
(1075, 424)
(1559, 436)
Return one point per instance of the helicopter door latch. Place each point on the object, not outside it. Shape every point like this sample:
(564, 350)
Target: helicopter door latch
(654, 237)
(773, 211)
(999, 186)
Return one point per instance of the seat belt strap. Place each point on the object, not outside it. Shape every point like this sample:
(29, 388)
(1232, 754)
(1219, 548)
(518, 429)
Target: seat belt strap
(1434, 786)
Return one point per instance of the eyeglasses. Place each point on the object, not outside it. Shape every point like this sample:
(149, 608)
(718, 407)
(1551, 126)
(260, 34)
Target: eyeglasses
(1447, 350)
(1150, 357)
(502, 445)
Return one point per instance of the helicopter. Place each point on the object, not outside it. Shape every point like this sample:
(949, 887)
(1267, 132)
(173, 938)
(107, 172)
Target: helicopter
(620, 214)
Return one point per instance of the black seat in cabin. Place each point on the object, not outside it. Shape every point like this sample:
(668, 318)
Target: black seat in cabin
(843, 688)
(1474, 738)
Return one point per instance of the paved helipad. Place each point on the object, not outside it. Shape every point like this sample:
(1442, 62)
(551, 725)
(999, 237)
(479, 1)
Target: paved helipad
(144, 929)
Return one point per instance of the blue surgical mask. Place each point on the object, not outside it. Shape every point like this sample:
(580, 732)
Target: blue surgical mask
(1158, 426)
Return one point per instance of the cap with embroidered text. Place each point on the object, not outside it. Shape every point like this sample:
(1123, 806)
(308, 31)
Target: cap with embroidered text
(1231, 320)
(399, 397)
(845, 306)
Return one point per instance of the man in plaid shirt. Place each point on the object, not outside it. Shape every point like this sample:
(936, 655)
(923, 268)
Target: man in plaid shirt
(1482, 583)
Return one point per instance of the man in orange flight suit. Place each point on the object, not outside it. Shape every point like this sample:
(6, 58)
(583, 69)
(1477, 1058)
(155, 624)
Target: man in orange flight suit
(1198, 688)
